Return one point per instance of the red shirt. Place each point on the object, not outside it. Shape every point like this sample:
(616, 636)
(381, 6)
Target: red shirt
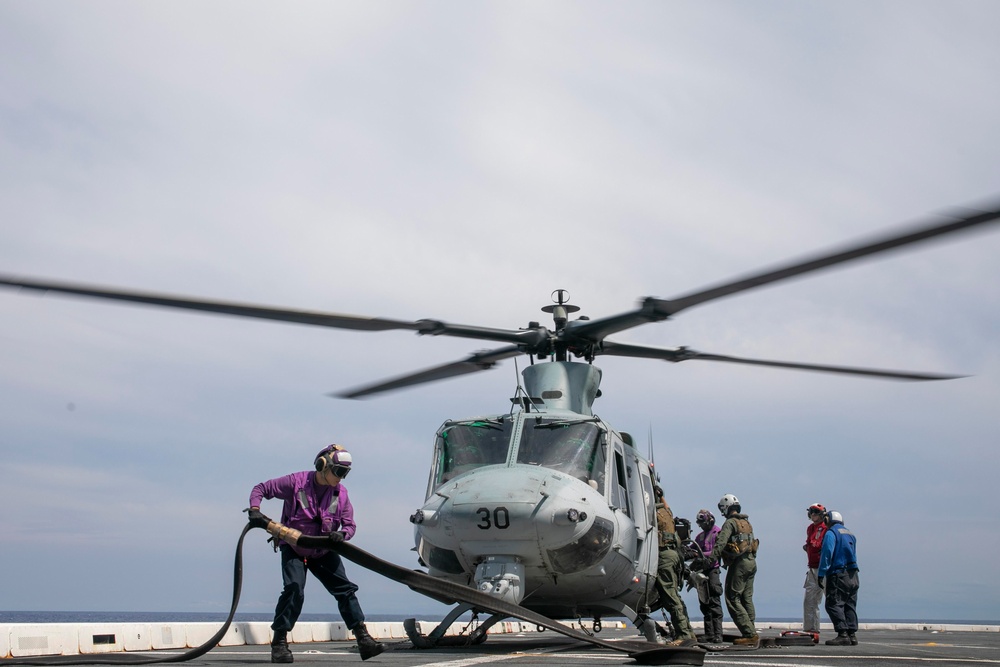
(814, 542)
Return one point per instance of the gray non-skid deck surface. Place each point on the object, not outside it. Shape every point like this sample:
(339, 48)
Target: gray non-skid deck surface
(876, 647)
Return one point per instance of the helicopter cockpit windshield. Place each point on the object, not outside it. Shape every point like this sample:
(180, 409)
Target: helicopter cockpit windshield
(572, 448)
(465, 446)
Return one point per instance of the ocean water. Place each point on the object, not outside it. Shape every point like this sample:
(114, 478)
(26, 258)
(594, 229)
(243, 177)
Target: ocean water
(213, 617)
(165, 617)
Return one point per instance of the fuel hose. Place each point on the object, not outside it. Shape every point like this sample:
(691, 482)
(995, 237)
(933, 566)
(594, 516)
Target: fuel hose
(136, 659)
(444, 591)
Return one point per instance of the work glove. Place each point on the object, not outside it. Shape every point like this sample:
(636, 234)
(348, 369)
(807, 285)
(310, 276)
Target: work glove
(256, 519)
(701, 564)
(336, 536)
(695, 579)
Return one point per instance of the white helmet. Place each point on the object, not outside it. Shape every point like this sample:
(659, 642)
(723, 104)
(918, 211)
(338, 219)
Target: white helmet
(728, 500)
(833, 516)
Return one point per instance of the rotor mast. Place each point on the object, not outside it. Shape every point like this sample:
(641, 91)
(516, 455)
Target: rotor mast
(560, 311)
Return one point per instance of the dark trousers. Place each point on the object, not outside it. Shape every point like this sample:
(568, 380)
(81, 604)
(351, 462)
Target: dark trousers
(712, 610)
(329, 569)
(842, 600)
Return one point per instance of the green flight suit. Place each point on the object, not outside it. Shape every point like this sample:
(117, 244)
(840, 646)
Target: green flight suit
(740, 572)
(668, 573)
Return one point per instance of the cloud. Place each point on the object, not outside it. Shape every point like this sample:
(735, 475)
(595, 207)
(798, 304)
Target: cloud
(460, 163)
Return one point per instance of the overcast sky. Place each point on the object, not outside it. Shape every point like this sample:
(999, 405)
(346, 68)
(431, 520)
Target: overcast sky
(461, 161)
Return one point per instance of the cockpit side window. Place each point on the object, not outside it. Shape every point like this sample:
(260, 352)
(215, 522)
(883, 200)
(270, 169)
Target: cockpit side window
(619, 491)
(462, 447)
(647, 490)
(569, 448)
(598, 466)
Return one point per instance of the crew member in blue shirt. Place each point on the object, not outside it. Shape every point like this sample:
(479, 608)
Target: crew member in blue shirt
(838, 570)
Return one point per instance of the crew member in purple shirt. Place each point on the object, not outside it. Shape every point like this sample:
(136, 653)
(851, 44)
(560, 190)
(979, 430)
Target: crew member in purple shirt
(316, 503)
(710, 593)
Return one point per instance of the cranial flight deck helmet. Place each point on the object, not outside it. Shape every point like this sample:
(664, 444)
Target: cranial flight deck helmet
(833, 516)
(336, 459)
(727, 501)
(816, 508)
(705, 519)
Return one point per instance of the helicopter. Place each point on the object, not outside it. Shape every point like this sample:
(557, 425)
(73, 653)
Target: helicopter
(544, 505)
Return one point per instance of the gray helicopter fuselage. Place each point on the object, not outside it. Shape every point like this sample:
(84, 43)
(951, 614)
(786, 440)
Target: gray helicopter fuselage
(546, 506)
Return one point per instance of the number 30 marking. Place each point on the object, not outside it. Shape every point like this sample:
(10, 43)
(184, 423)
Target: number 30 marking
(500, 518)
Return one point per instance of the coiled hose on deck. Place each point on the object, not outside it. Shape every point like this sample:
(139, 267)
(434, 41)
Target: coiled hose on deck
(134, 659)
(438, 589)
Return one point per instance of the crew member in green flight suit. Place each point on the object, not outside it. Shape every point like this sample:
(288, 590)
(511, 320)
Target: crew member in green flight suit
(737, 548)
(668, 573)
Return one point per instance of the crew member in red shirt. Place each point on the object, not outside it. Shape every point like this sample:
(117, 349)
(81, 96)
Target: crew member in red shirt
(814, 592)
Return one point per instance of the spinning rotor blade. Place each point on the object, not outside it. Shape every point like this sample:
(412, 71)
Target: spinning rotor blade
(685, 354)
(480, 361)
(529, 338)
(222, 307)
(655, 310)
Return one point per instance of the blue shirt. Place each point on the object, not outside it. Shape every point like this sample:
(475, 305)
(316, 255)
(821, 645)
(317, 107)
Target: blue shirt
(839, 552)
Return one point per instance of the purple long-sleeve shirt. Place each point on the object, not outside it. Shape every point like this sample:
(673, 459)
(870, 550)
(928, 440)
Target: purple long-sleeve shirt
(310, 507)
(706, 541)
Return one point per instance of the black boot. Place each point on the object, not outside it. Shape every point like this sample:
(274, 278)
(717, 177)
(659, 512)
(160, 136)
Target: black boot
(716, 631)
(853, 638)
(840, 640)
(279, 647)
(368, 647)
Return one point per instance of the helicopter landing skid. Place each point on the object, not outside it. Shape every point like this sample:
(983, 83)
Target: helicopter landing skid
(473, 599)
(437, 636)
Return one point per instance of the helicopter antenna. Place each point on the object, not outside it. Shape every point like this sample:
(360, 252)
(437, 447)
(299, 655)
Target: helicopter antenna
(652, 462)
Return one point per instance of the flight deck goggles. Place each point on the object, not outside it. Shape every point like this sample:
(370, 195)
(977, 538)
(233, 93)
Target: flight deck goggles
(340, 471)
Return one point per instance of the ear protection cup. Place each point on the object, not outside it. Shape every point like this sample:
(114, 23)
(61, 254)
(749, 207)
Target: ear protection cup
(326, 457)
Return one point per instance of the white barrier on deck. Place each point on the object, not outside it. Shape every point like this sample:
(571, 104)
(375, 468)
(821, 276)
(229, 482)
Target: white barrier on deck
(19, 640)
(31, 639)
(100, 638)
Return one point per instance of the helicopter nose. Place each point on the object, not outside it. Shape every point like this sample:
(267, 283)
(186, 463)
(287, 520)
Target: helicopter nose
(512, 511)
(498, 505)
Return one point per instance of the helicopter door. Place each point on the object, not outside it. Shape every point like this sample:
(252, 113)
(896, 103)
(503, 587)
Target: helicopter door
(645, 520)
(648, 500)
(619, 483)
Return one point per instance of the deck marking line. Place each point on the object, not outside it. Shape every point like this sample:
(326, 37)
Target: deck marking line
(473, 661)
(834, 658)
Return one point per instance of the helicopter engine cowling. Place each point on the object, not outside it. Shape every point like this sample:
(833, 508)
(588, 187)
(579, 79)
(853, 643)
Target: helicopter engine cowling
(569, 386)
